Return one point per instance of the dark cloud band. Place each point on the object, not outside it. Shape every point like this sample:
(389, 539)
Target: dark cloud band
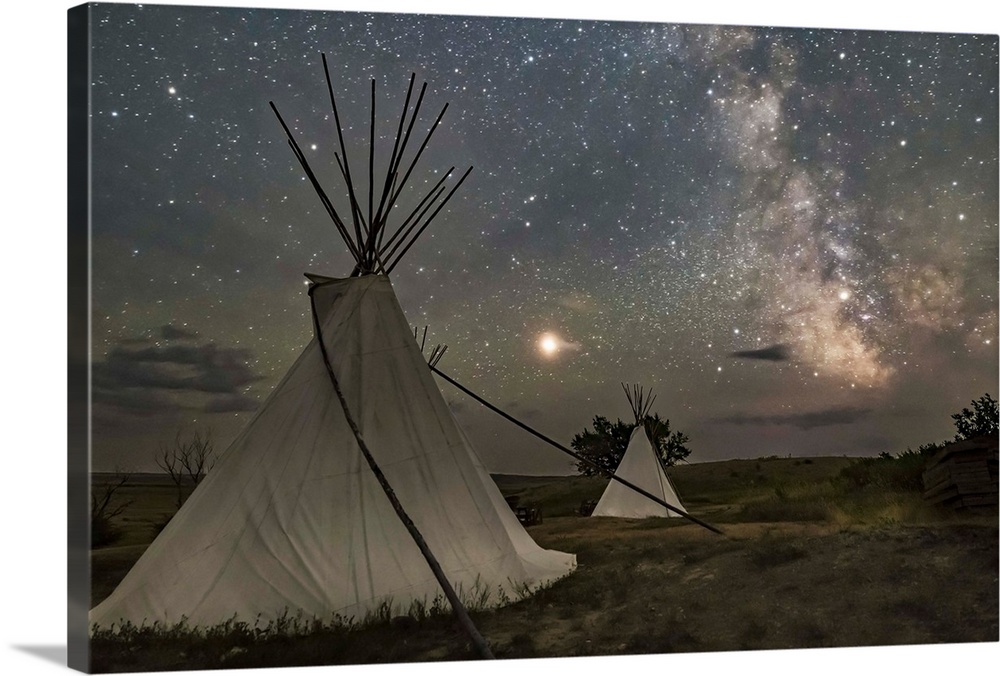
(777, 352)
(199, 376)
(804, 421)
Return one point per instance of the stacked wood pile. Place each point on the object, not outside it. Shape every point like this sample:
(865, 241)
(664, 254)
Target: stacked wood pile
(963, 475)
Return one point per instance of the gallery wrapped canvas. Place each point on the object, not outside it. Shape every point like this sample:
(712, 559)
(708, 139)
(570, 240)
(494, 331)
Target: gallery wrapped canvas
(354, 297)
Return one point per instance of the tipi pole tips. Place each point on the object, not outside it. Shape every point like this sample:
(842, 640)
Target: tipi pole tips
(639, 400)
(437, 356)
(369, 224)
(300, 156)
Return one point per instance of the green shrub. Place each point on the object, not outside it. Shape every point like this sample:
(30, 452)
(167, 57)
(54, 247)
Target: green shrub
(904, 472)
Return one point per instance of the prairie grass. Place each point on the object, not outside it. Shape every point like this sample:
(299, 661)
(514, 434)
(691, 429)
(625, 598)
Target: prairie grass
(807, 545)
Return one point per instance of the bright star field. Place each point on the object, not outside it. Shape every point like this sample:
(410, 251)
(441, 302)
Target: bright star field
(790, 235)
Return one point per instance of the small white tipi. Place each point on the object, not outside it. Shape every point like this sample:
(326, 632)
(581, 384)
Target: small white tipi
(641, 467)
(295, 519)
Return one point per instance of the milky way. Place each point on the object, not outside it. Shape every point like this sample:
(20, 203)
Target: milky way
(790, 235)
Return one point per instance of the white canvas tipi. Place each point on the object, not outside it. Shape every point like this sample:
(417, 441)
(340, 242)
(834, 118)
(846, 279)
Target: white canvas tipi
(641, 467)
(293, 519)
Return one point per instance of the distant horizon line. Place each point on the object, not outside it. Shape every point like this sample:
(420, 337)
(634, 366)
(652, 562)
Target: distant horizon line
(543, 475)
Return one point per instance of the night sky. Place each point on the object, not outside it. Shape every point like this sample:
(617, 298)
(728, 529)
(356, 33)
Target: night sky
(789, 235)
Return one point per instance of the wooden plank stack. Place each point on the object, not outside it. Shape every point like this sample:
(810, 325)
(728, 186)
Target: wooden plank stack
(963, 475)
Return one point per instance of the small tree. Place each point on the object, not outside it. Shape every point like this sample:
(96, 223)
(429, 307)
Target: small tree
(606, 444)
(187, 462)
(981, 420)
(104, 507)
(669, 445)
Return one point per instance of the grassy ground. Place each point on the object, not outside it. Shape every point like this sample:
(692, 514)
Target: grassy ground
(808, 560)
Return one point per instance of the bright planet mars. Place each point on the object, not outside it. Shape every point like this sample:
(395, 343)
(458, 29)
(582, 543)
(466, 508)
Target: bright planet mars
(549, 344)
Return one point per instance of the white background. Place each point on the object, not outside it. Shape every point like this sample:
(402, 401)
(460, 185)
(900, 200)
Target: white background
(33, 326)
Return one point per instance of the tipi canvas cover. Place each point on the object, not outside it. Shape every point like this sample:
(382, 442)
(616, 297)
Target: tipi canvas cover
(292, 519)
(641, 467)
